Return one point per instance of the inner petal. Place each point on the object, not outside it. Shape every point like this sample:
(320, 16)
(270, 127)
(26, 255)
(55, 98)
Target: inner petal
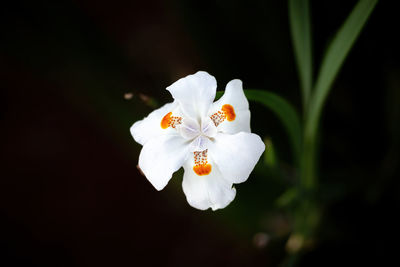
(199, 144)
(189, 128)
(208, 127)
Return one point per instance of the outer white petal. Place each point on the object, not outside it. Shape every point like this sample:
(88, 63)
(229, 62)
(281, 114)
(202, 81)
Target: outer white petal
(149, 127)
(161, 157)
(235, 97)
(236, 155)
(208, 191)
(195, 93)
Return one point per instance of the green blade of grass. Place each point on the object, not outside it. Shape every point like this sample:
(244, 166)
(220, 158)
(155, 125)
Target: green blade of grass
(299, 18)
(331, 64)
(335, 56)
(284, 111)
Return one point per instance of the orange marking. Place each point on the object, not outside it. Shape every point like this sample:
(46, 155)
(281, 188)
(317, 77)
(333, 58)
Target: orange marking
(229, 112)
(170, 121)
(202, 169)
(166, 121)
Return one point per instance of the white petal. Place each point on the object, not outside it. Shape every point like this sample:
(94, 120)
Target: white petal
(240, 124)
(199, 144)
(161, 157)
(206, 191)
(195, 93)
(235, 97)
(208, 127)
(189, 128)
(149, 127)
(236, 155)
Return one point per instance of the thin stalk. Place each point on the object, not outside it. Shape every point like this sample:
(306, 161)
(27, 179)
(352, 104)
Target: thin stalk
(308, 175)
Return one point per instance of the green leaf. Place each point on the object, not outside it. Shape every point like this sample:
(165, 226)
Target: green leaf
(335, 56)
(331, 64)
(284, 111)
(299, 18)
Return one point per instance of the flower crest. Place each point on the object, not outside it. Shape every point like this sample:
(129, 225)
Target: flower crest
(212, 141)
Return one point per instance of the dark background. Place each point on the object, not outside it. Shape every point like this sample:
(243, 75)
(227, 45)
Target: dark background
(70, 193)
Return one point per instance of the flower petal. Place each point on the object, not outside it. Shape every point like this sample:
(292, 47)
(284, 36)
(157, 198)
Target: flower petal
(235, 99)
(149, 127)
(206, 191)
(189, 128)
(199, 144)
(236, 155)
(161, 157)
(208, 127)
(195, 93)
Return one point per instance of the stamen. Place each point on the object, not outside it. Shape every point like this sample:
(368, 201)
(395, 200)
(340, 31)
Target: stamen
(170, 121)
(227, 112)
(201, 166)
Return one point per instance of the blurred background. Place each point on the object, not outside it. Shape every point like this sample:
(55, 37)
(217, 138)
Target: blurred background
(75, 75)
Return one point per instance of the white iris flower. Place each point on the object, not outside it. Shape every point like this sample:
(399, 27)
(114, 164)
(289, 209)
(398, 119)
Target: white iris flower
(212, 141)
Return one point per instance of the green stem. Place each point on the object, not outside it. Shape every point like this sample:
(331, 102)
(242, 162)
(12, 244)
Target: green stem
(308, 175)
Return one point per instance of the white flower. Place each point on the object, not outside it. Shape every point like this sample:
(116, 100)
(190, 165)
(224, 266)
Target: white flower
(212, 141)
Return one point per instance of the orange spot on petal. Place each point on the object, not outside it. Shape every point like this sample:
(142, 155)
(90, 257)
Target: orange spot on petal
(229, 112)
(202, 169)
(166, 121)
